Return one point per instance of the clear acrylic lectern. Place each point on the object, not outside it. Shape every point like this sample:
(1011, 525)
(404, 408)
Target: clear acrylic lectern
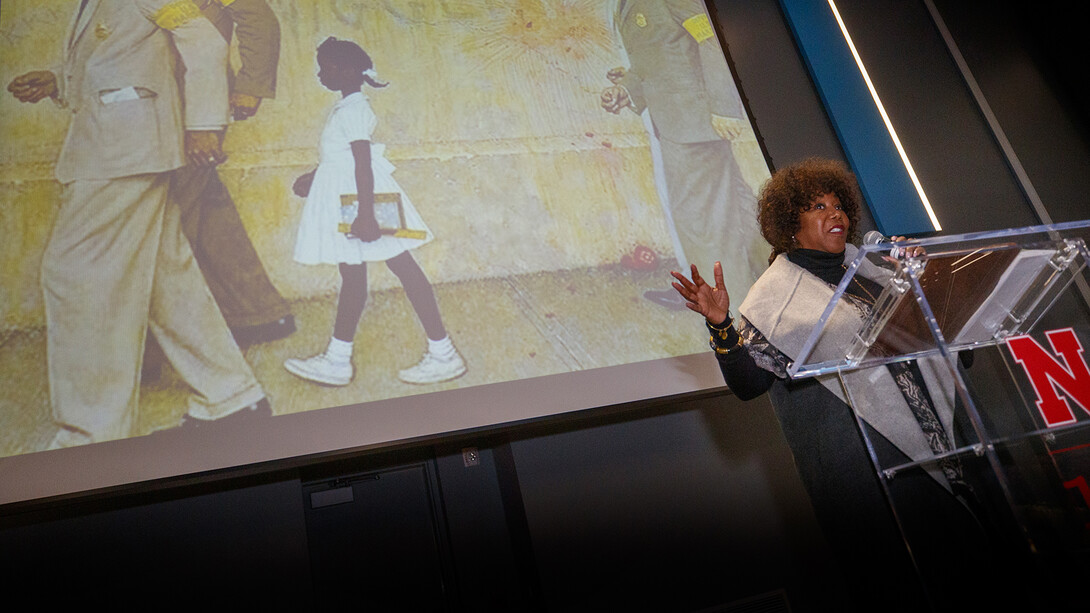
(1006, 315)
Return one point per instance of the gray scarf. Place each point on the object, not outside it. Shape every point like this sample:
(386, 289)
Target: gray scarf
(785, 304)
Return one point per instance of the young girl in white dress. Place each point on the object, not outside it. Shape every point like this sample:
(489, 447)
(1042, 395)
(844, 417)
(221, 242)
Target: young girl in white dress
(350, 164)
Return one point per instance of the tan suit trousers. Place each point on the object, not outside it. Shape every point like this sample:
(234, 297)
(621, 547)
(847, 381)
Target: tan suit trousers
(116, 265)
(714, 213)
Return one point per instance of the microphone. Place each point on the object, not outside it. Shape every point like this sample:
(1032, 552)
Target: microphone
(874, 237)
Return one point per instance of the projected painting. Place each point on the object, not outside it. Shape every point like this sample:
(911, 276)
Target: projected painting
(541, 164)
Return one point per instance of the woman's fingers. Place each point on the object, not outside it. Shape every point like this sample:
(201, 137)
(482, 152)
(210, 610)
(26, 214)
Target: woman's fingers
(681, 290)
(718, 272)
(680, 277)
(909, 251)
(696, 274)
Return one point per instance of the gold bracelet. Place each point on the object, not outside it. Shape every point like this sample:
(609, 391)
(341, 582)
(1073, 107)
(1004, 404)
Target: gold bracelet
(726, 325)
(723, 329)
(724, 350)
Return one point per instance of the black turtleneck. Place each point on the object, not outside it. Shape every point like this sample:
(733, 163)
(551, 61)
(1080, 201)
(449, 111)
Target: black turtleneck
(829, 267)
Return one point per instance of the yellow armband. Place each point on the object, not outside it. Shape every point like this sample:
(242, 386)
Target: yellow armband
(176, 14)
(699, 27)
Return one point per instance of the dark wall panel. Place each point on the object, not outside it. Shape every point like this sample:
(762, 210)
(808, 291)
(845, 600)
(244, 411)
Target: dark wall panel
(1029, 60)
(240, 545)
(676, 511)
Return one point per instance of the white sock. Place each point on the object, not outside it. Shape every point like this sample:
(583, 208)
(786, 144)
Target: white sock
(442, 348)
(338, 350)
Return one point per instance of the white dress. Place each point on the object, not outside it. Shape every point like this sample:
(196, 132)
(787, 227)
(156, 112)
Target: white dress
(319, 240)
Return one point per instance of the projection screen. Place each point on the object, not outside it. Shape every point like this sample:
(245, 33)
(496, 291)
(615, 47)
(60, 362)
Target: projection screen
(562, 155)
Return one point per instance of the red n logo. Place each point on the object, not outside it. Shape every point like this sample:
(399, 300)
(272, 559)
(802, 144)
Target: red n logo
(1050, 376)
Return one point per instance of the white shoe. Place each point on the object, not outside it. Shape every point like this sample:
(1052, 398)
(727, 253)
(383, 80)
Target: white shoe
(432, 369)
(321, 369)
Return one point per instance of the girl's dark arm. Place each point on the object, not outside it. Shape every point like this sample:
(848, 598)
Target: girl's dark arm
(743, 376)
(364, 227)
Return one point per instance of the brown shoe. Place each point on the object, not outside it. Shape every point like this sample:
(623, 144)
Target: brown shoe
(264, 333)
(668, 298)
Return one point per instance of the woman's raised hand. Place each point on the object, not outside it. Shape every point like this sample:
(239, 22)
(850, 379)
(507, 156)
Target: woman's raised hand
(711, 302)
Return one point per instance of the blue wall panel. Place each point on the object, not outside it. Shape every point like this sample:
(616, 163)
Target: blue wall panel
(871, 152)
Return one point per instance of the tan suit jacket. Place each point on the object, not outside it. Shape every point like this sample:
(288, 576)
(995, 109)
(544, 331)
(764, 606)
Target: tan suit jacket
(681, 80)
(117, 79)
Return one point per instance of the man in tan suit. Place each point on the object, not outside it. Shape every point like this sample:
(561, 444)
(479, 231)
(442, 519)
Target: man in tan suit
(117, 262)
(679, 75)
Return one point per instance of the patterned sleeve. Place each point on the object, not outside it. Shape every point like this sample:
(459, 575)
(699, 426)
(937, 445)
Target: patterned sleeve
(750, 365)
(761, 350)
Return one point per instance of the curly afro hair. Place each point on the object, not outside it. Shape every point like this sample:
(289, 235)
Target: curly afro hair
(793, 188)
